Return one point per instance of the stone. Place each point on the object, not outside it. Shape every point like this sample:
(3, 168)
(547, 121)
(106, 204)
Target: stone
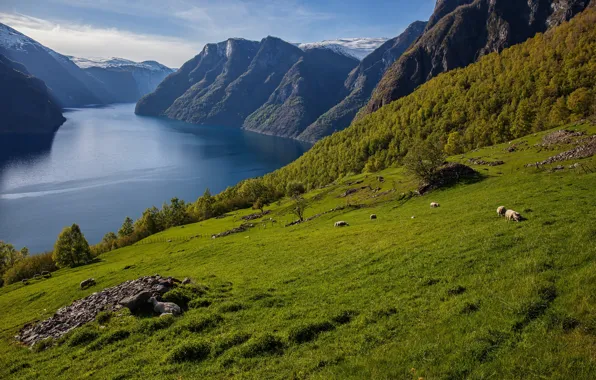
(136, 301)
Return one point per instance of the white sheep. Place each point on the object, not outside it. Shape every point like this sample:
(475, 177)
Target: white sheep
(434, 205)
(513, 215)
(341, 223)
(373, 216)
(165, 307)
(501, 211)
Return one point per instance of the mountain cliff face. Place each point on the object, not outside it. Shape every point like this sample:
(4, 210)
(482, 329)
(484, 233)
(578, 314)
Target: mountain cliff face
(360, 84)
(308, 89)
(71, 86)
(461, 31)
(25, 103)
(125, 81)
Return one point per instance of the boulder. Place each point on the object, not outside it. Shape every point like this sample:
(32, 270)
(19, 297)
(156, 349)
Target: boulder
(136, 301)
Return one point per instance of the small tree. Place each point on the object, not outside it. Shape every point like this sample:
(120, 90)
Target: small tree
(423, 160)
(24, 252)
(71, 248)
(295, 188)
(203, 207)
(454, 143)
(299, 207)
(127, 227)
(259, 204)
(109, 240)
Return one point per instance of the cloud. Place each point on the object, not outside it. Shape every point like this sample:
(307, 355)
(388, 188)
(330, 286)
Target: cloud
(87, 41)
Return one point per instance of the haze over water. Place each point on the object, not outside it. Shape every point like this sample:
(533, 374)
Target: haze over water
(105, 164)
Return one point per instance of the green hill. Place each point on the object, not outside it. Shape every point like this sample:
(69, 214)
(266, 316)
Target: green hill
(547, 81)
(451, 292)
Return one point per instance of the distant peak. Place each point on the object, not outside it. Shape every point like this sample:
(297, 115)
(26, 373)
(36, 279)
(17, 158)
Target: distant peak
(358, 47)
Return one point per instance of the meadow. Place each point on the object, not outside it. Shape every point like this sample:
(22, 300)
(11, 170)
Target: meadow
(447, 293)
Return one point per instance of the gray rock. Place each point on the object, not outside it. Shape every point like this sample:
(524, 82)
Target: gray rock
(136, 301)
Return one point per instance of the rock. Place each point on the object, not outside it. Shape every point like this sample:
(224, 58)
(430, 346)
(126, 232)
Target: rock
(87, 283)
(136, 301)
(46, 274)
(163, 315)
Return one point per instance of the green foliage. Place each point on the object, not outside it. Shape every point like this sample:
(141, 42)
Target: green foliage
(299, 206)
(539, 84)
(30, 266)
(188, 352)
(127, 228)
(423, 160)
(71, 248)
(295, 188)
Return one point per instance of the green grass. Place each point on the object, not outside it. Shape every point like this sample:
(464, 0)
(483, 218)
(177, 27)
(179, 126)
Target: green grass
(455, 292)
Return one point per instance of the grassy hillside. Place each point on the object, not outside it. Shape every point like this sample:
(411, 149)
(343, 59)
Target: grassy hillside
(453, 292)
(546, 81)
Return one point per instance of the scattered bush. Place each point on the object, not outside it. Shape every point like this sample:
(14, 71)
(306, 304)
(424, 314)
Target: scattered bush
(150, 325)
(188, 352)
(28, 267)
(82, 336)
(308, 332)
(266, 344)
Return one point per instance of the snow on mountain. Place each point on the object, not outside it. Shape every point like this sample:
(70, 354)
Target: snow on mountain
(353, 47)
(105, 63)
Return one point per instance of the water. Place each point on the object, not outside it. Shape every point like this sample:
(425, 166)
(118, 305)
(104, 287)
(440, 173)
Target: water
(105, 164)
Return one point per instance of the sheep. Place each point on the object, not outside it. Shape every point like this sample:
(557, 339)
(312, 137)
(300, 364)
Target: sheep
(501, 211)
(513, 215)
(434, 205)
(87, 283)
(165, 307)
(341, 223)
(373, 216)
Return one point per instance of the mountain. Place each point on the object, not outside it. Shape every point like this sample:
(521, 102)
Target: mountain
(545, 82)
(126, 81)
(360, 84)
(353, 47)
(309, 88)
(26, 105)
(460, 32)
(71, 85)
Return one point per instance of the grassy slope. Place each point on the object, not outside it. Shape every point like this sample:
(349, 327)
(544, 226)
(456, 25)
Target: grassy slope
(455, 292)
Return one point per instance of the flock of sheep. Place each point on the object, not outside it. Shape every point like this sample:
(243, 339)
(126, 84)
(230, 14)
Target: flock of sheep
(501, 211)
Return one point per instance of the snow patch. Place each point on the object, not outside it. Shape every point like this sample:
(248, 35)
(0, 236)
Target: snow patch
(106, 63)
(352, 47)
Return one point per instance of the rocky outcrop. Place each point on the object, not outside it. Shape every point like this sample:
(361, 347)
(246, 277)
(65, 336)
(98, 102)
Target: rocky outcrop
(128, 294)
(26, 105)
(460, 32)
(360, 84)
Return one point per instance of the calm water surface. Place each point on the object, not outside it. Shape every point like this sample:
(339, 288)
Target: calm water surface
(107, 163)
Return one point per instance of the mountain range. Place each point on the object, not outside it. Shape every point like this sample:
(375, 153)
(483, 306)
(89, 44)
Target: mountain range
(79, 82)
(275, 87)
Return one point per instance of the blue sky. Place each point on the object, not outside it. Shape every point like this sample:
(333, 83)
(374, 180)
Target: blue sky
(174, 31)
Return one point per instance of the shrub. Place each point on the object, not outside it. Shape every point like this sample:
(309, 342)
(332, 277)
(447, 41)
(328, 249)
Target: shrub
(82, 336)
(30, 266)
(189, 351)
(199, 303)
(266, 344)
(423, 160)
(151, 325)
(308, 332)
(104, 317)
(295, 188)
(231, 307)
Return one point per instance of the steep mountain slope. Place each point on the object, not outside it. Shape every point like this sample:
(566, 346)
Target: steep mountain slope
(360, 84)
(71, 85)
(546, 81)
(126, 81)
(25, 103)
(461, 31)
(358, 48)
(217, 64)
(308, 89)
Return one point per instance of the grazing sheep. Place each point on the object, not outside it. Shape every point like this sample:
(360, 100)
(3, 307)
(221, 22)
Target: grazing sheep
(87, 283)
(501, 211)
(373, 217)
(341, 223)
(513, 215)
(165, 307)
(434, 205)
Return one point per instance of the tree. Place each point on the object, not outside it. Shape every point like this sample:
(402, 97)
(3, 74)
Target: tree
(149, 222)
(8, 255)
(127, 228)
(579, 102)
(203, 208)
(423, 160)
(109, 240)
(295, 188)
(259, 205)
(454, 144)
(71, 248)
(24, 252)
(253, 189)
(299, 207)
(175, 213)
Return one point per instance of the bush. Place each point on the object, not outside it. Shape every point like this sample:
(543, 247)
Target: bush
(295, 188)
(150, 325)
(30, 266)
(308, 332)
(266, 344)
(187, 352)
(82, 336)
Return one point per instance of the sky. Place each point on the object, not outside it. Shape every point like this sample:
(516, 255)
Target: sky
(173, 31)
